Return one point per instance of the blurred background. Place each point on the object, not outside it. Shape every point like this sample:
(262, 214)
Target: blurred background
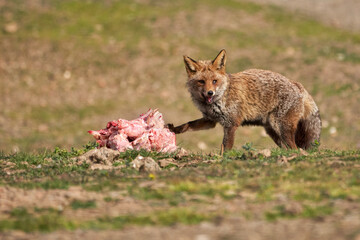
(69, 66)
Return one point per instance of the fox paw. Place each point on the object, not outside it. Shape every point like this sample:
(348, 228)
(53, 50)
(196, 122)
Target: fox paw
(170, 126)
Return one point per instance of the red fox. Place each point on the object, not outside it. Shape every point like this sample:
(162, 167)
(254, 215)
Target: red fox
(252, 97)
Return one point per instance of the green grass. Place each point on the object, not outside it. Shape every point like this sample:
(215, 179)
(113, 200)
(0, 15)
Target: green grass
(54, 220)
(124, 21)
(240, 175)
(43, 223)
(77, 204)
(316, 212)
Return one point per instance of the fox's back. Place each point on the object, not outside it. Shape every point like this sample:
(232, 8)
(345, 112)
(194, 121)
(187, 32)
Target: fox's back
(262, 91)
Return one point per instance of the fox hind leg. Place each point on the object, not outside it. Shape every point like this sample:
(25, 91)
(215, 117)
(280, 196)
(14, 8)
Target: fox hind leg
(282, 129)
(288, 126)
(274, 136)
(275, 129)
(288, 136)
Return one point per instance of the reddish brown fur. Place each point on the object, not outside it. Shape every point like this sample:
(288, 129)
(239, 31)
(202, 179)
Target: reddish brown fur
(252, 97)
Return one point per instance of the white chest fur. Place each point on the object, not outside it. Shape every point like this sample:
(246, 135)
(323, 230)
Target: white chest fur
(216, 112)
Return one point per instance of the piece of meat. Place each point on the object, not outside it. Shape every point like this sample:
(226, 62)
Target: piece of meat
(146, 132)
(133, 129)
(142, 142)
(119, 141)
(162, 140)
(153, 119)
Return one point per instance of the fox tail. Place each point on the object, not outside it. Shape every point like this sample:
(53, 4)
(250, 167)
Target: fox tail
(309, 128)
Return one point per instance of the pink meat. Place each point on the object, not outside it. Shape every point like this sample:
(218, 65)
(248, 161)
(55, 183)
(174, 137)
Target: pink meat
(161, 140)
(153, 119)
(119, 142)
(146, 132)
(133, 129)
(142, 142)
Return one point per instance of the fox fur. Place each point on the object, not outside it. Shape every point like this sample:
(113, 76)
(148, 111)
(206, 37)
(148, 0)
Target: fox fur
(252, 97)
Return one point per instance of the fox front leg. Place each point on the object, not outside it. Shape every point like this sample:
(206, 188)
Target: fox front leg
(229, 138)
(199, 124)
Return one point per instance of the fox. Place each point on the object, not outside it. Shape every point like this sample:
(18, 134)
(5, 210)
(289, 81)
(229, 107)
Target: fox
(252, 97)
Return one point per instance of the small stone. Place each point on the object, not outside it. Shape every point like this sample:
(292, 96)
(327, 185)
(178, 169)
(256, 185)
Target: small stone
(303, 152)
(67, 74)
(145, 164)
(202, 145)
(11, 27)
(285, 160)
(166, 162)
(265, 152)
(181, 152)
(10, 164)
(332, 131)
(101, 155)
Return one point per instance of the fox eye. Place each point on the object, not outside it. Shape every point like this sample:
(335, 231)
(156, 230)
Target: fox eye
(214, 81)
(202, 82)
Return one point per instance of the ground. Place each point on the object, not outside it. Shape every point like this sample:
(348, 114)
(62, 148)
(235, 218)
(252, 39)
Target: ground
(71, 66)
(245, 194)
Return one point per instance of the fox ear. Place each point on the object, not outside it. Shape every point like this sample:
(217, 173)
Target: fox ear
(220, 61)
(191, 65)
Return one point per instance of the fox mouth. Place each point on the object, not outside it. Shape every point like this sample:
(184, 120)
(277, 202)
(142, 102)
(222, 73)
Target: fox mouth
(209, 99)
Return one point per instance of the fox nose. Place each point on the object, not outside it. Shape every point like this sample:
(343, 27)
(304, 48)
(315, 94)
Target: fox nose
(210, 93)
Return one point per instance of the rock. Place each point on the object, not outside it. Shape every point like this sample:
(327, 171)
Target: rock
(145, 164)
(285, 160)
(303, 152)
(202, 145)
(166, 162)
(102, 155)
(265, 152)
(11, 27)
(181, 152)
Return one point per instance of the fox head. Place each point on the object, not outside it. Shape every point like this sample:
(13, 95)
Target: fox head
(207, 80)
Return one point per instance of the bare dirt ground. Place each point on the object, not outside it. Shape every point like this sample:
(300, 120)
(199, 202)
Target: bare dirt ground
(345, 224)
(233, 228)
